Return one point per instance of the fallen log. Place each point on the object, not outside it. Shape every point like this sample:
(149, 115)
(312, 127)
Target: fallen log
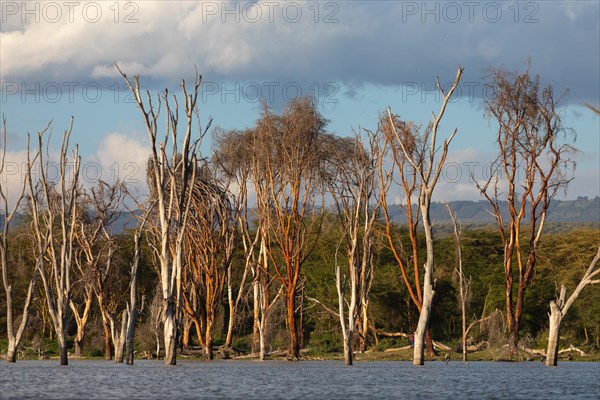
(573, 348)
(441, 346)
(397, 349)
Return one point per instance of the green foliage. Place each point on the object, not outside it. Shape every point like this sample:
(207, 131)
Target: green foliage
(563, 255)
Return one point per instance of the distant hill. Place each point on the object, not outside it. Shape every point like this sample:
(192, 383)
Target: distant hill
(582, 210)
(476, 212)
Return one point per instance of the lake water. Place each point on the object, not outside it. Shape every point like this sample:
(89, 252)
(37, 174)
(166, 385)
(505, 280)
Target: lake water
(298, 380)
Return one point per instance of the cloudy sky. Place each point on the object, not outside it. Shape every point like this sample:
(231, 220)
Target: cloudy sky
(357, 57)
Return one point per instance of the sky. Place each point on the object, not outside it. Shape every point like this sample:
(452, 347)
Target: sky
(357, 57)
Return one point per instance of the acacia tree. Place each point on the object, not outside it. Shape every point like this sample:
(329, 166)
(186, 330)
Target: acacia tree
(209, 241)
(14, 338)
(532, 166)
(290, 156)
(169, 178)
(427, 165)
(353, 188)
(53, 207)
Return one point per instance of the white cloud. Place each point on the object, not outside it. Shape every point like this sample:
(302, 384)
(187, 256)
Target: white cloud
(118, 157)
(14, 175)
(361, 42)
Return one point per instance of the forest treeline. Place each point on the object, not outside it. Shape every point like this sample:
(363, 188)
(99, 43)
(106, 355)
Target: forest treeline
(286, 237)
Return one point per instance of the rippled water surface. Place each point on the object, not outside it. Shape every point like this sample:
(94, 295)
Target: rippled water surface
(301, 380)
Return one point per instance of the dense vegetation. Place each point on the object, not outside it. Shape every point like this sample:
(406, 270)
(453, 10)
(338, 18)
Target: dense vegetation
(565, 254)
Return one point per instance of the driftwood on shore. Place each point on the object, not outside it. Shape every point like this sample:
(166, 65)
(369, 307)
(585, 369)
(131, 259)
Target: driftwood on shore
(542, 352)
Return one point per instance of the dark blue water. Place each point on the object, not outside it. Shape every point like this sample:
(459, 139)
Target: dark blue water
(300, 380)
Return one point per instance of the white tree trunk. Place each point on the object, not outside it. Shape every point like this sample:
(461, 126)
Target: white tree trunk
(256, 316)
(347, 327)
(560, 307)
(419, 349)
(170, 335)
(428, 292)
(553, 335)
(262, 326)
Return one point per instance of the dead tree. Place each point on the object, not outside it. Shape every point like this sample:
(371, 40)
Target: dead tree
(428, 166)
(533, 164)
(54, 212)
(132, 306)
(14, 337)
(98, 210)
(352, 185)
(81, 313)
(560, 306)
(233, 160)
(464, 284)
(395, 171)
(169, 178)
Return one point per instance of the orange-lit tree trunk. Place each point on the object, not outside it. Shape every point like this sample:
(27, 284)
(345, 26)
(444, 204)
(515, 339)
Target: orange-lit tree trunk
(81, 320)
(532, 166)
(288, 153)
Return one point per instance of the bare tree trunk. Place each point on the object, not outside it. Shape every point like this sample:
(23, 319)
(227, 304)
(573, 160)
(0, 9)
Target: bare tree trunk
(187, 327)
(62, 345)
(256, 314)
(132, 320)
(170, 333)
(81, 321)
(131, 333)
(462, 283)
(15, 339)
(262, 340)
(118, 337)
(231, 322)
(208, 341)
(560, 307)
(199, 332)
(347, 327)
(294, 345)
(464, 324)
(429, 348)
(553, 334)
(263, 322)
(107, 335)
(513, 337)
(419, 349)
(348, 356)
(428, 292)
(365, 326)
